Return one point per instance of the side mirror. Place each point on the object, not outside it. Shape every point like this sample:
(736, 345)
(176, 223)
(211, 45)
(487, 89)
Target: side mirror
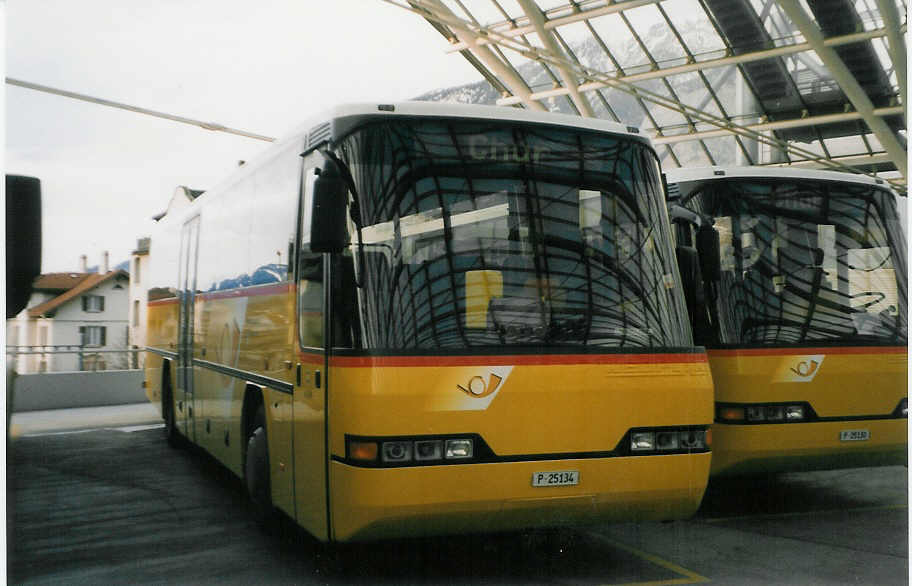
(710, 255)
(328, 229)
(23, 240)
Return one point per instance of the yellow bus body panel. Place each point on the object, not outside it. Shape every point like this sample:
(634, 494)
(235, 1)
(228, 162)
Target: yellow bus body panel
(539, 409)
(860, 386)
(437, 500)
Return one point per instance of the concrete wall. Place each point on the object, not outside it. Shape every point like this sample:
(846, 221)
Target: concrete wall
(64, 390)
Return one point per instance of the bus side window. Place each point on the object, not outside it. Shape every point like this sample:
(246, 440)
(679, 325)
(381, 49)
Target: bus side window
(310, 300)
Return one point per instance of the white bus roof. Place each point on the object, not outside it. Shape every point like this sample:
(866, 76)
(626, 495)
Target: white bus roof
(685, 175)
(323, 127)
(469, 111)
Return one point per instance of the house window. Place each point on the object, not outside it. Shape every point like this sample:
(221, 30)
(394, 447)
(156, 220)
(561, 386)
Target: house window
(136, 275)
(93, 335)
(135, 312)
(93, 303)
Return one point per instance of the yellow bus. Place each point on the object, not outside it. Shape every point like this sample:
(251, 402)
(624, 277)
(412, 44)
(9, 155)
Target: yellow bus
(805, 318)
(411, 319)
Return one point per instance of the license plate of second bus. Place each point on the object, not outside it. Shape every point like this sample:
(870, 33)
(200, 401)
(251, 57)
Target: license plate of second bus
(556, 478)
(854, 435)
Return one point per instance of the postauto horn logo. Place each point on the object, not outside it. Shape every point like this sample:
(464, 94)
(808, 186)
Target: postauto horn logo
(470, 388)
(477, 386)
(799, 369)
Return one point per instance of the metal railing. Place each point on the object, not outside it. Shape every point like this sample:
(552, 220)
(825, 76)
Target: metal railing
(88, 358)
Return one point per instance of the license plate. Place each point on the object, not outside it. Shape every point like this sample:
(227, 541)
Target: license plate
(557, 478)
(854, 435)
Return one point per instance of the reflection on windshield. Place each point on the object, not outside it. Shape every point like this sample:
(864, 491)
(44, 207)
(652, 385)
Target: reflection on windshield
(807, 262)
(482, 234)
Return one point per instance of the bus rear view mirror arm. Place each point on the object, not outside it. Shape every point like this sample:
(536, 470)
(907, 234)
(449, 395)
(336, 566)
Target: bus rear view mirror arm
(710, 253)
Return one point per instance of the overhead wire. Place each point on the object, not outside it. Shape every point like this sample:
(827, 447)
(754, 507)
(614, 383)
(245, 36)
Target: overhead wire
(213, 126)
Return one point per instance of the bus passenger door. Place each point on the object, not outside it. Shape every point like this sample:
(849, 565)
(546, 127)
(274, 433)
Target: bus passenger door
(309, 399)
(310, 457)
(183, 396)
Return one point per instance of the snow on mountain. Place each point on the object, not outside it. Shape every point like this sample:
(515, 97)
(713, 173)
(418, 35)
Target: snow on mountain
(631, 59)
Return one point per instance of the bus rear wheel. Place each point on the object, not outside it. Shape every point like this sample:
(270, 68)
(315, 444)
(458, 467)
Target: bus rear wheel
(172, 435)
(256, 471)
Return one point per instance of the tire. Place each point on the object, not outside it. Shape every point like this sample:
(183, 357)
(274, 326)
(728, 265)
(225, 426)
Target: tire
(172, 435)
(256, 472)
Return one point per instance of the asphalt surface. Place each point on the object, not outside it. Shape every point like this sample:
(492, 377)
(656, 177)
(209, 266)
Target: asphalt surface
(97, 497)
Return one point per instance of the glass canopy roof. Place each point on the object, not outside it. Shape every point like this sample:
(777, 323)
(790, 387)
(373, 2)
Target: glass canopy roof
(804, 83)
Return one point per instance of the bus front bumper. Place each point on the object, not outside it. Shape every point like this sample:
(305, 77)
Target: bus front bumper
(771, 448)
(370, 503)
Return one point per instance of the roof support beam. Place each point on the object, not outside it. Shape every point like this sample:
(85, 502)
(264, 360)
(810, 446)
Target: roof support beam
(547, 37)
(848, 161)
(515, 31)
(890, 16)
(847, 83)
(427, 9)
(777, 125)
(503, 71)
(708, 64)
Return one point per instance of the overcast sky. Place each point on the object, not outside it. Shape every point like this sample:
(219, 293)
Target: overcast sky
(262, 66)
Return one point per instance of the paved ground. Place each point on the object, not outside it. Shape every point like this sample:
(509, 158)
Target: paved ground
(68, 420)
(111, 503)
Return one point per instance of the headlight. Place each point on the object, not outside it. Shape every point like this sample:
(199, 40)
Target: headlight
(458, 448)
(429, 450)
(693, 440)
(669, 440)
(756, 413)
(733, 413)
(775, 413)
(642, 441)
(397, 451)
(794, 412)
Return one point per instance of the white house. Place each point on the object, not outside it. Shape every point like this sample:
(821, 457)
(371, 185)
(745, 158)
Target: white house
(138, 293)
(181, 198)
(83, 312)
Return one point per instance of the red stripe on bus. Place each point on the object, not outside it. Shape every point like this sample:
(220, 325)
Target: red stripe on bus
(507, 359)
(804, 351)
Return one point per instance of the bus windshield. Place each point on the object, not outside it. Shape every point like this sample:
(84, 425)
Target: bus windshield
(807, 261)
(486, 233)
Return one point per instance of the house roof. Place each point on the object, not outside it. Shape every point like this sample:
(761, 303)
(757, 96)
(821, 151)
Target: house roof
(58, 281)
(177, 202)
(88, 283)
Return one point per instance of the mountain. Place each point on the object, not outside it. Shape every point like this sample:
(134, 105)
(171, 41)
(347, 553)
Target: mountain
(123, 266)
(667, 52)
